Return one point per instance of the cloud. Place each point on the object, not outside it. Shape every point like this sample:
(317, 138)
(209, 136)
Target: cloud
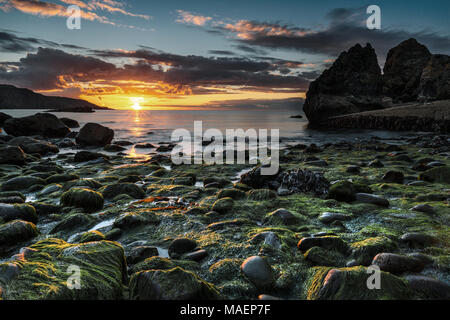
(221, 52)
(189, 18)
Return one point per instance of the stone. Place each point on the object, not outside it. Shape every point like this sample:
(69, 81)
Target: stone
(352, 84)
(22, 183)
(12, 155)
(223, 205)
(94, 134)
(131, 189)
(329, 217)
(342, 191)
(353, 169)
(415, 239)
(70, 123)
(403, 69)
(376, 164)
(258, 271)
(436, 174)
(42, 124)
(84, 198)
(173, 284)
(326, 242)
(91, 236)
(425, 208)
(180, 246)
(270, 238)
(16, 231)
(34, 146)
(365, 250)
(281, 216)
(21, 211)
(428, 287)
(394, 177)
(140, 253)
(197, 255)
(113, 148)
(83, 156)
(372, 199)
(395, 263)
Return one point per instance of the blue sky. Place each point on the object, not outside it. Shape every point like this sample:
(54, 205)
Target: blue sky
(305, 37)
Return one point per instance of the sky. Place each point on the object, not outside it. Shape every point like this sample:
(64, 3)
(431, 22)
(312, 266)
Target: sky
(198, 54)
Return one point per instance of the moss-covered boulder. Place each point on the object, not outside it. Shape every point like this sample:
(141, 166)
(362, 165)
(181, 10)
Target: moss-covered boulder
(282, 217)
(326, 242)
(133, 219)
(54, 269)
(72, 222)
(318, 256)
(60, 178)
(173, 284)
(84, 198)
(324, 283)
(90, 236)
(15, 211)
(342, 191)
(233, 193)
(161, 263)
(437, 174)
(113, 190)
(17, 231)
(22, 183)
(223, 205)
(364, 251)
(261, 194)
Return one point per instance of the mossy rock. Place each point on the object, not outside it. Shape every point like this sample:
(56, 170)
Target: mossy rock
(325, 283)
(133, 219)
(438, 174)
(235, 194)
(318, 256)
(49, 267)
(59, 178)
(72, 222)
(161, 263)
(90, 236)
(22, 183)
(113, 190)
(16, 231)
(364, 251)
(84, 198)
(262, 194)
(225, 269)
(342, 191)
(173, 284)
(19, 211)
(223, 205)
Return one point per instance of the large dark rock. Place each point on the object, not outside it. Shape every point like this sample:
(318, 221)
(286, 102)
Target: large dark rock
(34, 146)
(4, 117)
(403, 70)
(43, 124)
(352, 84)
(94, 134)
(12, 155)
(435, 79)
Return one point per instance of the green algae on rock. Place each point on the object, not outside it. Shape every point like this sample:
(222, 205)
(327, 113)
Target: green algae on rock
(83, 198)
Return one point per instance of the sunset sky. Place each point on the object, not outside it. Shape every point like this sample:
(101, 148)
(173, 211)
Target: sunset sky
(190, 54)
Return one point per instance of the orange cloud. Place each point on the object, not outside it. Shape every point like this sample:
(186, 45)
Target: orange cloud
(189, 18)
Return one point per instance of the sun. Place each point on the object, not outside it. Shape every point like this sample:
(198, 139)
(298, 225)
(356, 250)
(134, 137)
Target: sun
(136, 103)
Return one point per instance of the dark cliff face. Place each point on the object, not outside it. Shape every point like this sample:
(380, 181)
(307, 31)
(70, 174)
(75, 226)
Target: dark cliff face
(352, 84)
(435, 79)
(18, 98)
(403, 69)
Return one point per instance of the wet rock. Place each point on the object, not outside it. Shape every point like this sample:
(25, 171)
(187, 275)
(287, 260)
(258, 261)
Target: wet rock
(44, 209)
(261, 194)
(425, 208)
(173, 284)
(12, 199)
(329, 217)
(428, 287)
(220, 182)
(180, 246)
(403, 70)
(23, 211)
(268, 297)
(94, 134)
(223, 205)
(376, 164)
(415, 239)
(372, 199)
(395, 263)
(34, 146)
(22, 183)
(195, 256)
(131, 219)
(123, 143)
(144, 146)
(131, 189)
(91, 236)
(60, 178)
(140, 253)
(84, 198)
(72, 222)
(326, 242)
(16, 231)
(113, 148)
(317, 163)
(353, 169)
(70, 123)
(437, 174)
(394, 177)
(281, 216)
(342, 191)
(352, 84)
(318, 256)
(42, 124)
(234, 194)
(258, 271)
(12, 155)
(268, 237)
(83, 156)
(4, 117)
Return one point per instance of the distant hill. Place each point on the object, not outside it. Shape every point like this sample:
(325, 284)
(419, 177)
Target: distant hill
(18, 98)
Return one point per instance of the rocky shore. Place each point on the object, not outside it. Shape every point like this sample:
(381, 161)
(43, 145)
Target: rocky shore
(148, 229)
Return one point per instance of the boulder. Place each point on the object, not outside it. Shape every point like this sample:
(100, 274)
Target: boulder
(258, 271)
(326, 242)
(435, 79)
(403, 70)
(4, 117)
(428, 287)
(352, 84)
(22, 183)
(15, 211)
(223, 205)
(173, 284)
(34, 146)
(70, 123)
(12, 155)
(83, 156)
(82, 198)
(436, 174)
(16, 231)
(180, 246)
(396, 263)
(43, 124)
(94, 134)
(131, 189)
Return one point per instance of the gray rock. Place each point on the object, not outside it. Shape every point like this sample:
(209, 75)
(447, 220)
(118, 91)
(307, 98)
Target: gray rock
(395, 263)
(258, 271)
(372, 199)
(425, 208)
(329, 217)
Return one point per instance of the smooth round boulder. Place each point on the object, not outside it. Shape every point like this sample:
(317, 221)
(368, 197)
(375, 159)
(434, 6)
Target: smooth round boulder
(223, 205)
(16, 211)
(83, 156)
(16, 231)
(394, 177)
(396, 263)
(12, 155)
(372, 199)
(22, 183)
(281, 216)
(258, 271)
(70, 123)
(180, 246)
(425, 208)
(42, 124)
(94, 134)
(131, 189)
